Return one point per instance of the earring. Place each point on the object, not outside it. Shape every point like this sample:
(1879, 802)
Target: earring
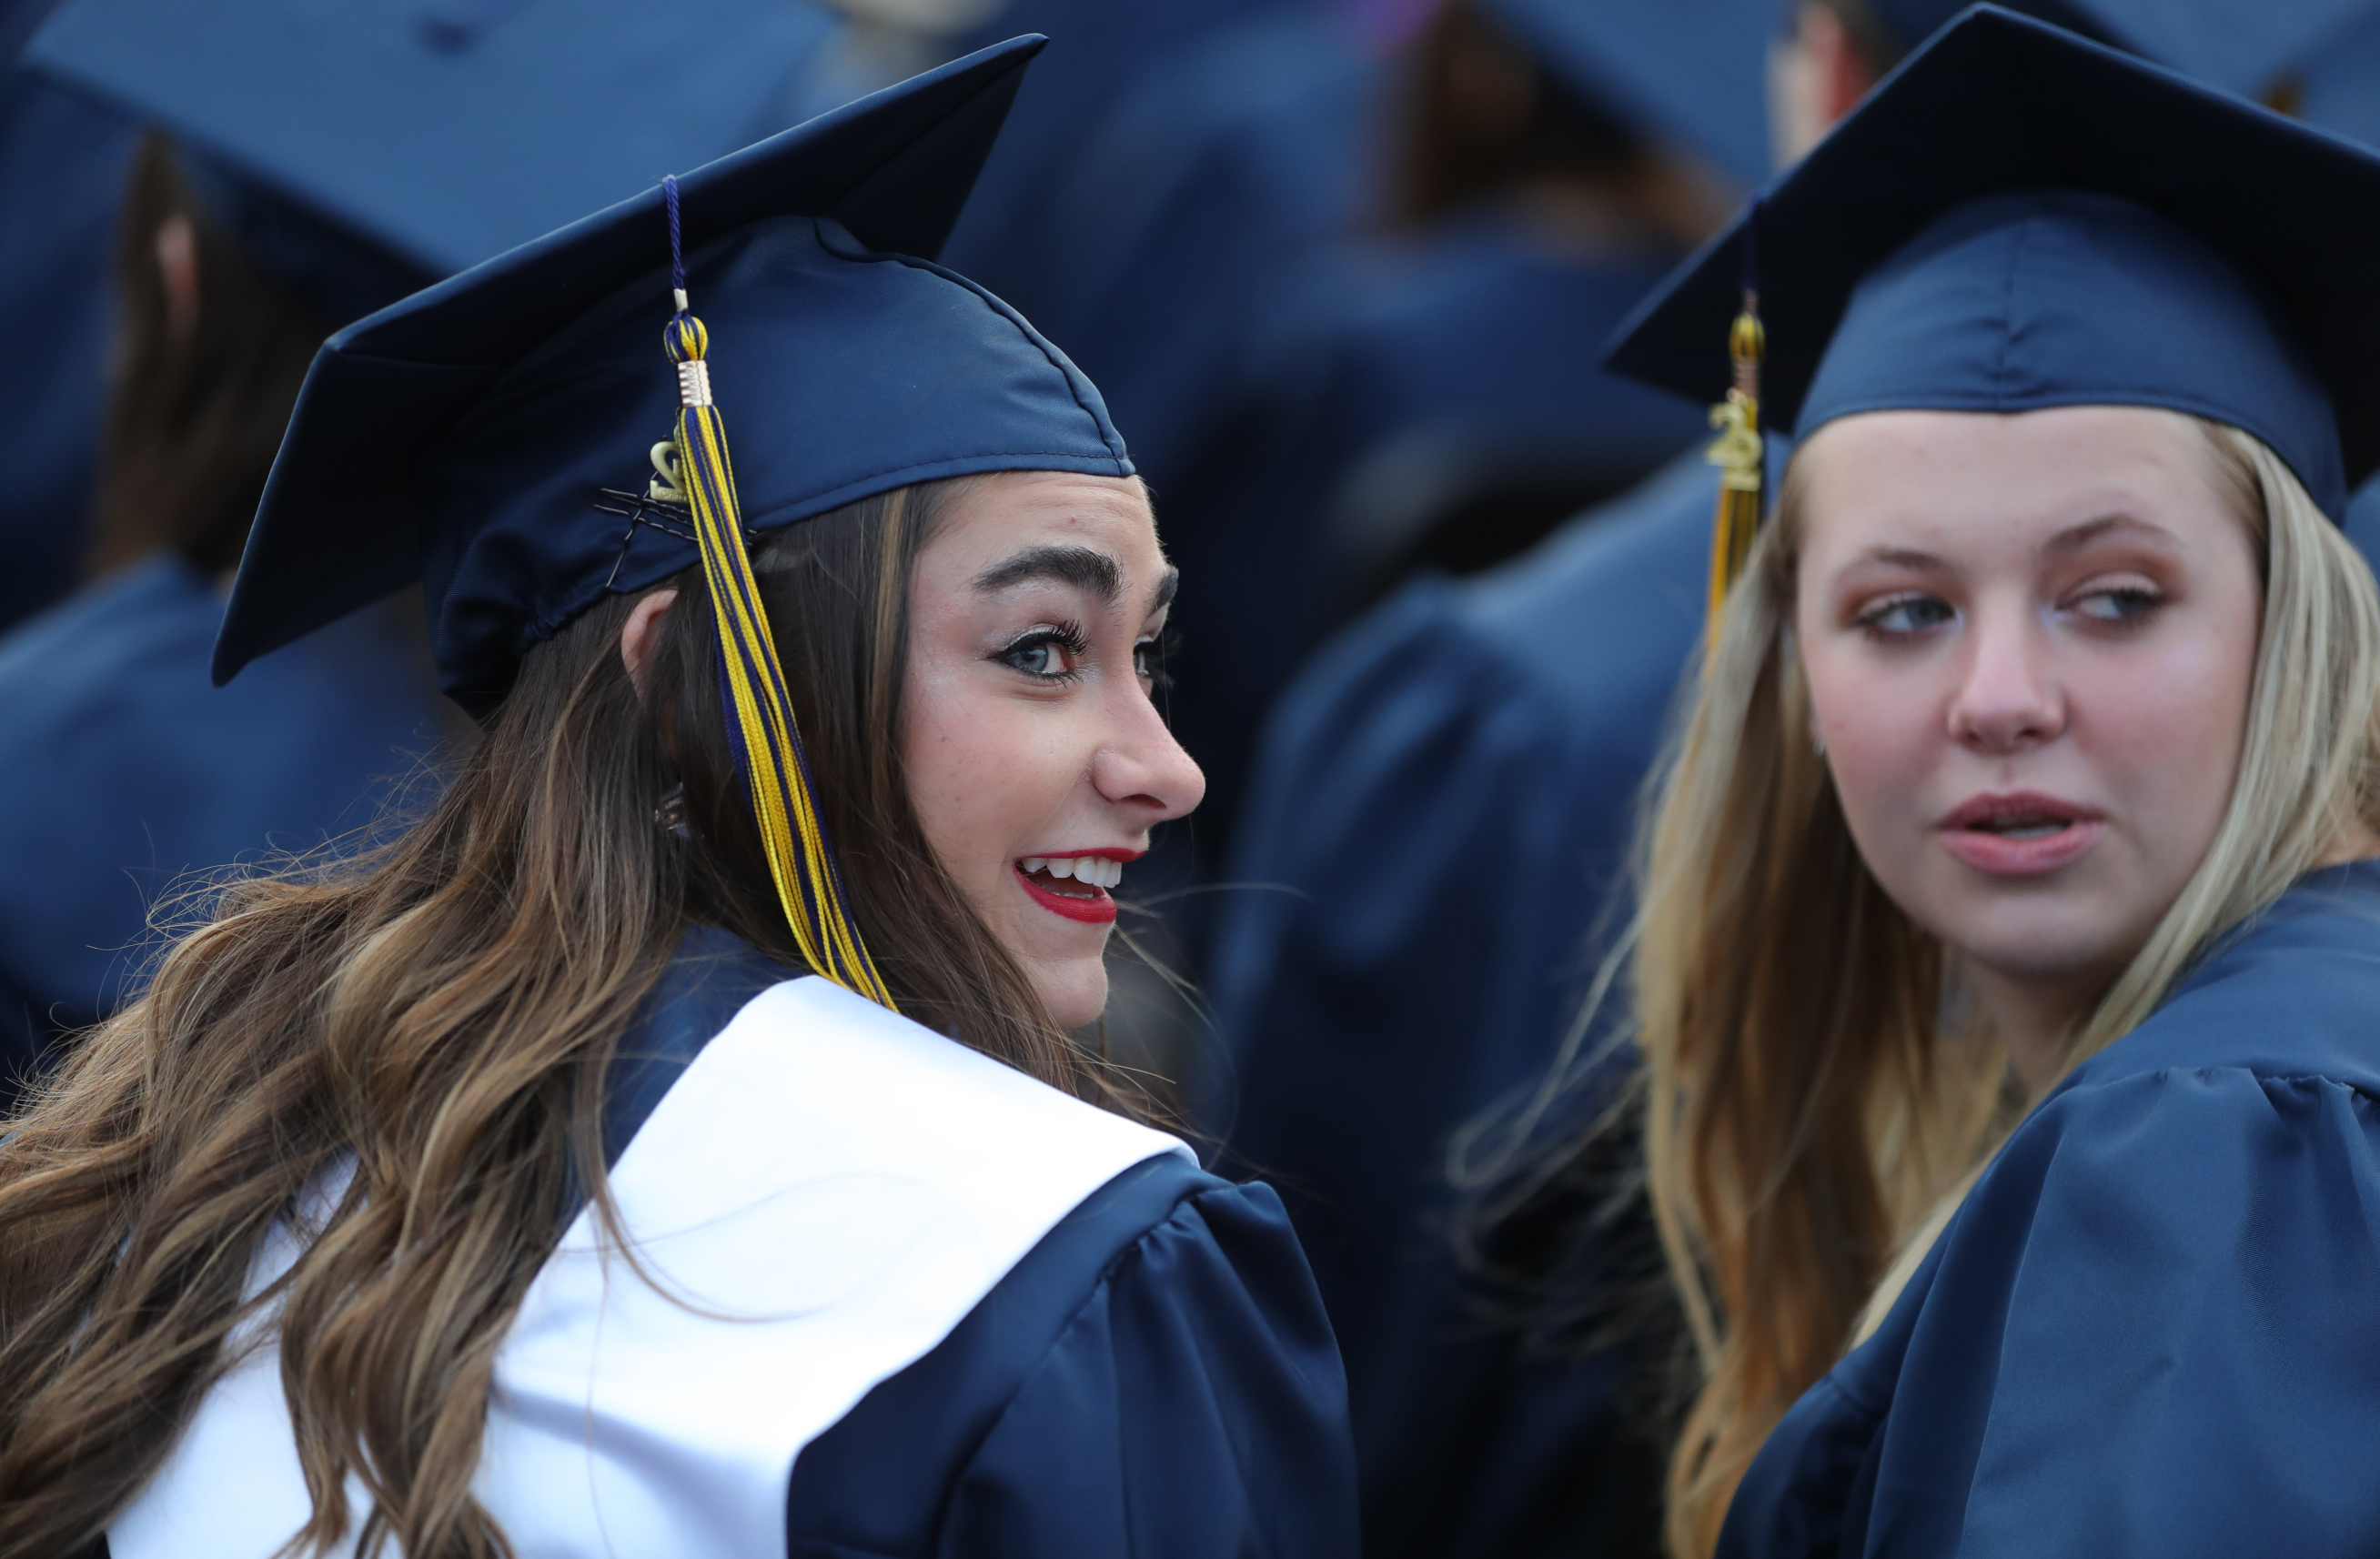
(670, 815)
(1818, 744)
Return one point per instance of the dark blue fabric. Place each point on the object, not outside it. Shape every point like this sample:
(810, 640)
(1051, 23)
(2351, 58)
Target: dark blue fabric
(1013, 237)
(467, 436)
(1997, 104)
(1692, 75)
(62, 160)
(440, 133)
(2059, 298)
(125, 770)
(1444, 801)
(2148, 1330)
(1466, 339)
(1177, 235)
(1155, 1378)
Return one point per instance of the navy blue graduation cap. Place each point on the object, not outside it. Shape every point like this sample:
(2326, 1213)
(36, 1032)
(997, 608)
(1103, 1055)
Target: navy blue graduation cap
(361, 150)
(2244, 47)
(515, 439)
(1695, 71)
(2019, 219)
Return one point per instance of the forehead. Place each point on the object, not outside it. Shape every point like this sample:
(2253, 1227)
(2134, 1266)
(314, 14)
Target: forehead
(991, 517)
(1965, 481)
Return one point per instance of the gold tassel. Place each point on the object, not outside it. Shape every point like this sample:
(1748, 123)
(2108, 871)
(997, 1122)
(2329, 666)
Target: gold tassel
(760, 714)
(1737, 453)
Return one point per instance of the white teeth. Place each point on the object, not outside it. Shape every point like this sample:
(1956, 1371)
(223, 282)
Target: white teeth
(1092, 870)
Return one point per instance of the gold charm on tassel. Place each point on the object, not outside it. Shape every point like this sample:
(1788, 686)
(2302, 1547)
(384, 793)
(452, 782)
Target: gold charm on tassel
(1737, 451)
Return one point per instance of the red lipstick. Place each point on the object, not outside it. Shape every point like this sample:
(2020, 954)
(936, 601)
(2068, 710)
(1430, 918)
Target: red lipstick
(1084, 896)
(2021, 833)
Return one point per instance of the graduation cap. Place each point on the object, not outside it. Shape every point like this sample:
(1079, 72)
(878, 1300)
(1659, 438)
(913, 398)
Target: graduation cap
(547, 428)
(361, 150)
(2019, 219)
(2244, 46)
(1693, 70)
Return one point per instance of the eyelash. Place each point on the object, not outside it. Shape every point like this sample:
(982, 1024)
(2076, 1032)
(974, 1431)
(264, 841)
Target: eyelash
(1067, 637)
(1147, 654)
(2147, 599)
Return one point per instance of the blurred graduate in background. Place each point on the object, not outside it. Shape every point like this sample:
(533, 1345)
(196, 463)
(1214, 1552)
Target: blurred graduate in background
(1415, 393)
(289, 176)
(1447, 794)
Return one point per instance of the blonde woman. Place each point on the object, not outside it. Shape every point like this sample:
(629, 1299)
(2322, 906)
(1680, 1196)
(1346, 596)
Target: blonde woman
(2009, 967)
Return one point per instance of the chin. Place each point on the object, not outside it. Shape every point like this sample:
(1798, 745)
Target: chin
(1075, 994)
(2036, 941)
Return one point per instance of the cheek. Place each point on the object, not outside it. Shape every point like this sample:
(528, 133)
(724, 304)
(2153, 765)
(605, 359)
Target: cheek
(1882, 724)
(978, 776)
(2166, 732)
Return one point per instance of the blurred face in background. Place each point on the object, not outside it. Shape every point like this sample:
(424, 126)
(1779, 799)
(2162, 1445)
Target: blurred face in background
(2030, 641)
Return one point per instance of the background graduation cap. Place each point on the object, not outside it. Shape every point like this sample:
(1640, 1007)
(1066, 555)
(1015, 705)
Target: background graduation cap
(2160, 244)
(495, 436)
(359, 149)
(1693, 70)
(2249, 47)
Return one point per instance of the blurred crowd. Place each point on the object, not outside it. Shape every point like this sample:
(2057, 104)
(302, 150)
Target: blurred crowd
(1343, 270)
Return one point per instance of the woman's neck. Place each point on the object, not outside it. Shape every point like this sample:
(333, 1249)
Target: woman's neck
(2034, 1017)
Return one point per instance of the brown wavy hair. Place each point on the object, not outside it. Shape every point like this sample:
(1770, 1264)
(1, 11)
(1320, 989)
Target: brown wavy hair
(442, 1009)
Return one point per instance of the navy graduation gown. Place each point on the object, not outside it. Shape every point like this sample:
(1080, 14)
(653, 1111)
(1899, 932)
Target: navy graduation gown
(1445, 794)
(127, 769)
(2148, 1329)
(62, 159)
(1152, 1376)
(1459, 347)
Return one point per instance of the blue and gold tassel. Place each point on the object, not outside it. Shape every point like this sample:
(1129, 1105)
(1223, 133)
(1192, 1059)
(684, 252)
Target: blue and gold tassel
(760, 725)
(1738, 451)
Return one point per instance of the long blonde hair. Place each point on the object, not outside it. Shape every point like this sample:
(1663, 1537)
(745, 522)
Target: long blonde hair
(1809, 1103)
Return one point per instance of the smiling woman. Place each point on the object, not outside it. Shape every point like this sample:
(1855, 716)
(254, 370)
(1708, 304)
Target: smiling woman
(2008, 930)
(672, 1143)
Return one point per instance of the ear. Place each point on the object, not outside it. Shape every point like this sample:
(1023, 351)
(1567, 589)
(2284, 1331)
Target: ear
(178, 272)
(641, 634)
(1845, 72)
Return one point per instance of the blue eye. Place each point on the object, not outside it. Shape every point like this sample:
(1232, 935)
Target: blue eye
(2124, 605)
(1906, 614)
(1046, 655)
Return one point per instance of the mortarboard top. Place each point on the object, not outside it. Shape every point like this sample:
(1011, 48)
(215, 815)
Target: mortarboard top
(2018, 219)
(2244, 46)
(362, 148)
(1691, 71)
(465, 436)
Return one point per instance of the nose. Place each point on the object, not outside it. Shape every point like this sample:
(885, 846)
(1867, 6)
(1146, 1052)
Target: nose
(2008, 700)
(1143, 768)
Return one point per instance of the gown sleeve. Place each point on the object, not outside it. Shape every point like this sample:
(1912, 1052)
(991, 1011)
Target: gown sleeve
(1185, 1403)
(2150, 1332)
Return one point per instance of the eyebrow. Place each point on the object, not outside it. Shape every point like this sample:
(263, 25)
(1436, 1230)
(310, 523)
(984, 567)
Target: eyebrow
(2072, 539)
(2079, 537)
(1085, 568)
(1082, 567)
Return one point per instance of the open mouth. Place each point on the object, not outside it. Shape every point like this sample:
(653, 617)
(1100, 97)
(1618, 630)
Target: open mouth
(2020, 835)
(1073, 886)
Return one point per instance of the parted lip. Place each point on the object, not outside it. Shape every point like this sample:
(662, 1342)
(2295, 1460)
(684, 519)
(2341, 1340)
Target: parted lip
(1978, 811)
(1106, 853)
